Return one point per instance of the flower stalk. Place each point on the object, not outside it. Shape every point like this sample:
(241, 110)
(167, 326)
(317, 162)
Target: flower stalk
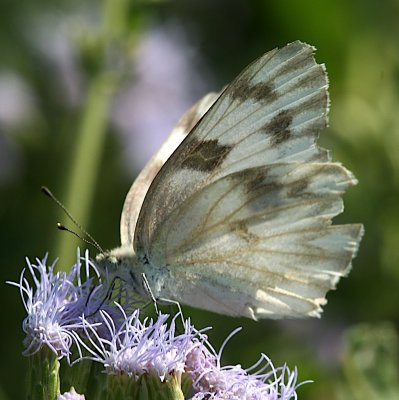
(146, 387)
(43, 375)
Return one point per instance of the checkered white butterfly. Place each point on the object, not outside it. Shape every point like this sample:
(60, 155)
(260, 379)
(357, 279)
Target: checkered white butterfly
(233, 214)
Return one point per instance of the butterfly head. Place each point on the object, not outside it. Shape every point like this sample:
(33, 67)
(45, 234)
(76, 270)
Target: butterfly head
(122, 264)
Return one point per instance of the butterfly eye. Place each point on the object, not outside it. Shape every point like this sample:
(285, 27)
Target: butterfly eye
(113, 263)
(107, 265)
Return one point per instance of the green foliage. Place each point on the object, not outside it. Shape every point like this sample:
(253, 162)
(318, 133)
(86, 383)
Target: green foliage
(370, 365)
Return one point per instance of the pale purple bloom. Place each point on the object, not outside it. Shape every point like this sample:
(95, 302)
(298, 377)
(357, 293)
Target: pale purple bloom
(55, 303)
(140, 347)
(212, 381)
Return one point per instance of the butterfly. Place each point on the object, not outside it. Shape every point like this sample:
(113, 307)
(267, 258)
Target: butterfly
(234, 213)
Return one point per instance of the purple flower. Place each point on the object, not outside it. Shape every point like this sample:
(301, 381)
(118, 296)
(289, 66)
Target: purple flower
(212, 381)
(55, 303)
(137, 348)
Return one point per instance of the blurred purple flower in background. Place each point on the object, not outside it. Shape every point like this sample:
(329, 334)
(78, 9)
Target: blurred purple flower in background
(162, 80)
(16, 100)
(169, 77)
(17, 107)
(55, 36)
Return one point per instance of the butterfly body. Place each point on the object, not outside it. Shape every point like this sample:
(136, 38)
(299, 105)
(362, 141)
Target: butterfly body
(122, 263)
(234, 213)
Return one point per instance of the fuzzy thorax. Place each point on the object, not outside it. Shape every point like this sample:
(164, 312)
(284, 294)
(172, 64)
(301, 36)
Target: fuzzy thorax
(122, 263)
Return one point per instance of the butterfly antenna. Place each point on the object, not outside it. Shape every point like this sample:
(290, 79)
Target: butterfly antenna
(61, 227)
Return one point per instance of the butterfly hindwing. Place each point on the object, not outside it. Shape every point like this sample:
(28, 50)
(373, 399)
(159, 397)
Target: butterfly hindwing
(261, 237)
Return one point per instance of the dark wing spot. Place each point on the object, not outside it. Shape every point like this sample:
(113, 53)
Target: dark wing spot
(262, 92)
(242, 230)
(204, 155)
(278, 127)
(258, 188)
(256, 181)
(299, 187)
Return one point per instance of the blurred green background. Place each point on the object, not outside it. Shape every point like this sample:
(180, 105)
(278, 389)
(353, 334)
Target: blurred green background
(89, 89)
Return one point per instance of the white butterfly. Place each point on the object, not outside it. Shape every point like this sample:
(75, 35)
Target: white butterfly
(233, 214)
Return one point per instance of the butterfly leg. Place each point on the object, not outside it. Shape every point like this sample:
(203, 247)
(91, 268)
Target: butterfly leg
(149, 291)
(160, 300)
(172, 303)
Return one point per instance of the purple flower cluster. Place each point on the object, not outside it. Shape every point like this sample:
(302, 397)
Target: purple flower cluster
(213, 381)
(76, 308)
(55, 303)
(140, 346)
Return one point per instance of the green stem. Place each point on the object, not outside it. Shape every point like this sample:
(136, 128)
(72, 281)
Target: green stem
(43, 376)
(91, 136)
(87, 157)
(114, 15)
(147, 387)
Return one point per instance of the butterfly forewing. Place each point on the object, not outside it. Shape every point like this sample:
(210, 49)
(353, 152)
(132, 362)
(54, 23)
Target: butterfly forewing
(272, 112)
(240, 214)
